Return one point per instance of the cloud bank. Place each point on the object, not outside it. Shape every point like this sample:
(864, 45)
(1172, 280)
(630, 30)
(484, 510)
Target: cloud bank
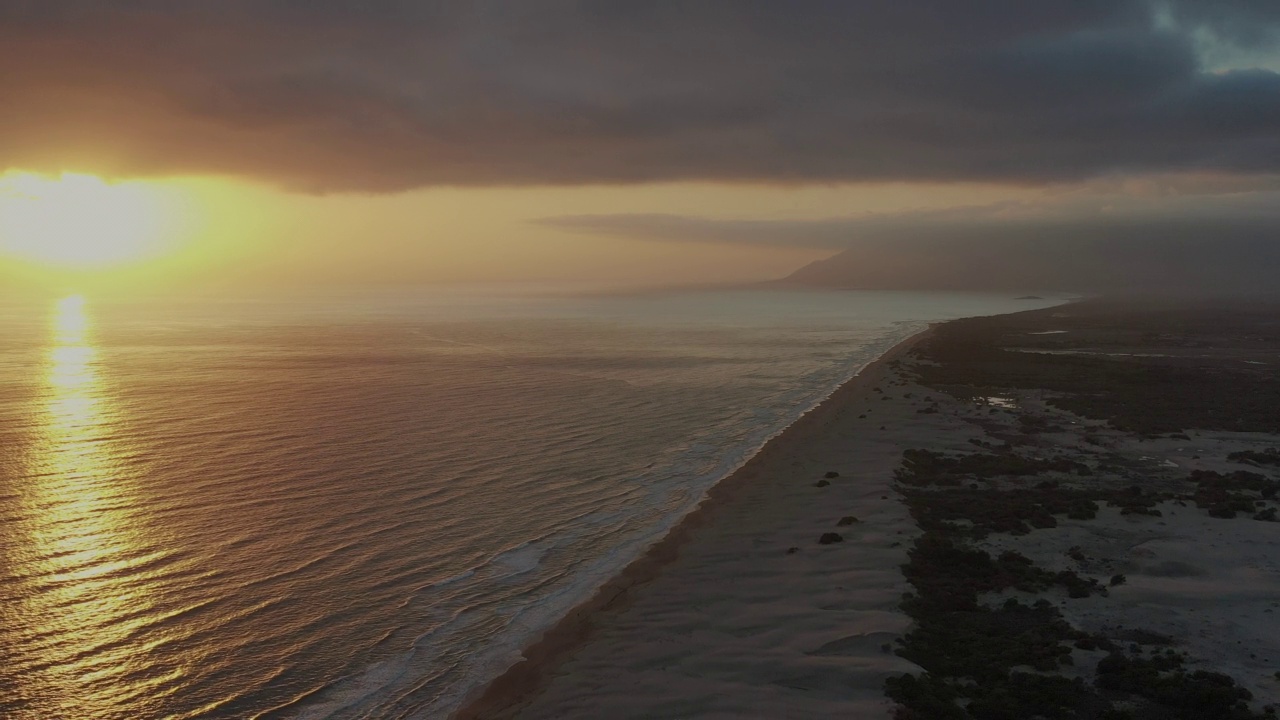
(1082, 243)
(1223, 255)
(386, 95)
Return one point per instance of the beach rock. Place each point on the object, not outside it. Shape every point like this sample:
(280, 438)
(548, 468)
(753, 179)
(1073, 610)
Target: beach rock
(829, 538)
(831, 474)
(847, 520)
(822, 483)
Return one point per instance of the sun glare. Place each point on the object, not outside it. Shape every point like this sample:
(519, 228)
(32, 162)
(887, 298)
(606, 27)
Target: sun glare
(82, 221)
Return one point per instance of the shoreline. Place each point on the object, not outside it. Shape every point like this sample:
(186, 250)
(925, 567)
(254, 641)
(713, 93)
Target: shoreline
(512, 690)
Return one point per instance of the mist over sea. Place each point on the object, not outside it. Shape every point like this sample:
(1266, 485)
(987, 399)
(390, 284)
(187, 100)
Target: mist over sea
(362, 509)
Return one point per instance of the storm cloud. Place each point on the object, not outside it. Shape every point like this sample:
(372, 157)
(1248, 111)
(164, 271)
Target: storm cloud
(390, 94)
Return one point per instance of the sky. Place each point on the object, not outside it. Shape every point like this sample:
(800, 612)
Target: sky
(282, 143)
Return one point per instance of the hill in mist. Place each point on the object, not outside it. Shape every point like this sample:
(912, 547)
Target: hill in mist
(1173, 257)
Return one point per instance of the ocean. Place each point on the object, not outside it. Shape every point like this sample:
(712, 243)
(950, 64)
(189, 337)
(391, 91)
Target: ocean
(364, 508)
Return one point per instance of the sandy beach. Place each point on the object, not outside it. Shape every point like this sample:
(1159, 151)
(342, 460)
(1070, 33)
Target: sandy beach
(723, 618)
(747, 611)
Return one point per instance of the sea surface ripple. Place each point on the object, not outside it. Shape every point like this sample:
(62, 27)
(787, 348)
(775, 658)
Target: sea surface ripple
(364, 509)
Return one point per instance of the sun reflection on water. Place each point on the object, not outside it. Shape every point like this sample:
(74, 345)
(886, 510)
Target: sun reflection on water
(77, 454)
(82, 601)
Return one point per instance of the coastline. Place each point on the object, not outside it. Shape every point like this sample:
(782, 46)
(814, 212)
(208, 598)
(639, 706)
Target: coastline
(1120, 545)
(512, 691)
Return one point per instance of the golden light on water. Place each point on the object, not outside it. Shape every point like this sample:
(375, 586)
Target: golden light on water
(83, 528)
(76, 412)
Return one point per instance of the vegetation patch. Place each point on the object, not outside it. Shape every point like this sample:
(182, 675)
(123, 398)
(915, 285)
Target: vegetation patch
(942, 503)
(978, 513)
(1270, 456)
(1171, 691)
(950, 577)
(1003, 662)
(1225, 496)
(1000, 663)
(1145, 369)
(925, 467)
(1093, 372)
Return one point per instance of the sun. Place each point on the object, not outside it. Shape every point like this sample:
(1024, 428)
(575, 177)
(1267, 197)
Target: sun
(82, 221)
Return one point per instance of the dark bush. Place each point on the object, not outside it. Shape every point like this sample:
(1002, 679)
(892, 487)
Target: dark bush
(1200, 695)
(925, 467)
(1225, 495)
(933, 699)
(1270, 456)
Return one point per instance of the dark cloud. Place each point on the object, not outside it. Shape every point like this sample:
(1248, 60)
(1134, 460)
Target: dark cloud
(391, 94)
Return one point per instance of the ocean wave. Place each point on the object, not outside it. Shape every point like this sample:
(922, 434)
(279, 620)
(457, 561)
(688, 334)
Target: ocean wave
(368, 523)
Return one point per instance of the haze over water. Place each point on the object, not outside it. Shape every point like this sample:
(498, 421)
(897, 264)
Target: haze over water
(273, 509)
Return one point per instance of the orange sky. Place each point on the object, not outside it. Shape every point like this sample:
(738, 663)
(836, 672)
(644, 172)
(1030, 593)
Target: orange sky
(318, 144)
(233, 233)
